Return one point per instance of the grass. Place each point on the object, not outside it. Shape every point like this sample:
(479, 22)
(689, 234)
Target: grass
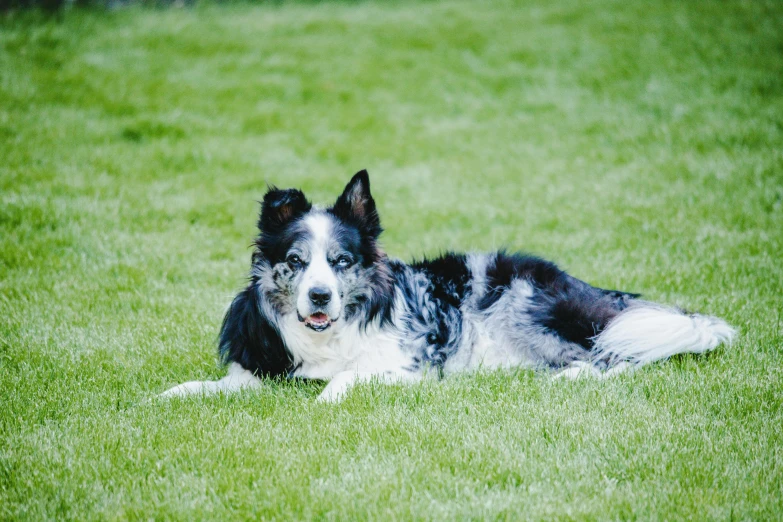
(637, 144)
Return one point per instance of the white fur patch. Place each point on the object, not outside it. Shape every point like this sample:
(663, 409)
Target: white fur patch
(477, 264)
(344, 347)
(649, 332)
(319, 272)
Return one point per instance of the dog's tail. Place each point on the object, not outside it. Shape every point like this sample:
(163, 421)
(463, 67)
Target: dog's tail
(646, 332)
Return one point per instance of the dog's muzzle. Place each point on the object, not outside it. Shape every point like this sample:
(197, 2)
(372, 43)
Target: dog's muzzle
(317, 321)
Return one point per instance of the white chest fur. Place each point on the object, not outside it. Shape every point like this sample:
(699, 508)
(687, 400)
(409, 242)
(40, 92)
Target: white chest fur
(342, 348)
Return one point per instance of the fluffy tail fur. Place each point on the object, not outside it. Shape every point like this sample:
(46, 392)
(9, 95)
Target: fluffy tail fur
(646, 332)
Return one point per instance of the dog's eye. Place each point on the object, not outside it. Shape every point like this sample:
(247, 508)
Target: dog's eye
(343, 262)
(294, 260)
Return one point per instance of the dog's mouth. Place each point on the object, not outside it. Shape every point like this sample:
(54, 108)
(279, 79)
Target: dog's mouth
(318, 322)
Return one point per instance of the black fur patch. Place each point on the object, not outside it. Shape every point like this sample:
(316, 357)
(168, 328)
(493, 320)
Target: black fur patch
(576, 311)
(280, 211)
(249, 338)
(564, 305)
(449, 275)
(508, 267)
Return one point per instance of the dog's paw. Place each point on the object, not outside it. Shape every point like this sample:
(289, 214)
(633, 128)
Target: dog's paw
(337, 388)
(333, 393)
(578, 370)
(189, 388)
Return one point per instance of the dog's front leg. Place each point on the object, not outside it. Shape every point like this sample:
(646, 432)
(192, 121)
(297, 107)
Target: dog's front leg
(236, 379)
(340, 384)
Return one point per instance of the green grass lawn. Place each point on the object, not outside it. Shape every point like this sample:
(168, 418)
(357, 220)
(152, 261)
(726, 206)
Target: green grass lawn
(639, 145)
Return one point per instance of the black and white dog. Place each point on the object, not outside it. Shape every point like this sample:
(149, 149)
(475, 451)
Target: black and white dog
(325, 302)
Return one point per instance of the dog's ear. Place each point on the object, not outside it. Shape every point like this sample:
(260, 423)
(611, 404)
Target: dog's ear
(280, 207)
(356, 205)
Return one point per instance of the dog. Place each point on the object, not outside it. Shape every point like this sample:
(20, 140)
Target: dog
(325, 302)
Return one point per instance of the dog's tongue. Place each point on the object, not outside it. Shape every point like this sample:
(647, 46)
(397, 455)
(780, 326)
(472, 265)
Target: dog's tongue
(318, 318)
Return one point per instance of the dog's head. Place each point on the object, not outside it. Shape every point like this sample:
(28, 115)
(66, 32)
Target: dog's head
(324, 265)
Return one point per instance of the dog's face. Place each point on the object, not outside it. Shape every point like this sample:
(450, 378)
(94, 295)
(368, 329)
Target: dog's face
(320, 264)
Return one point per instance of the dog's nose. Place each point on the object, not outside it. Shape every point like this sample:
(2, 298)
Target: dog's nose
(320, 296)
